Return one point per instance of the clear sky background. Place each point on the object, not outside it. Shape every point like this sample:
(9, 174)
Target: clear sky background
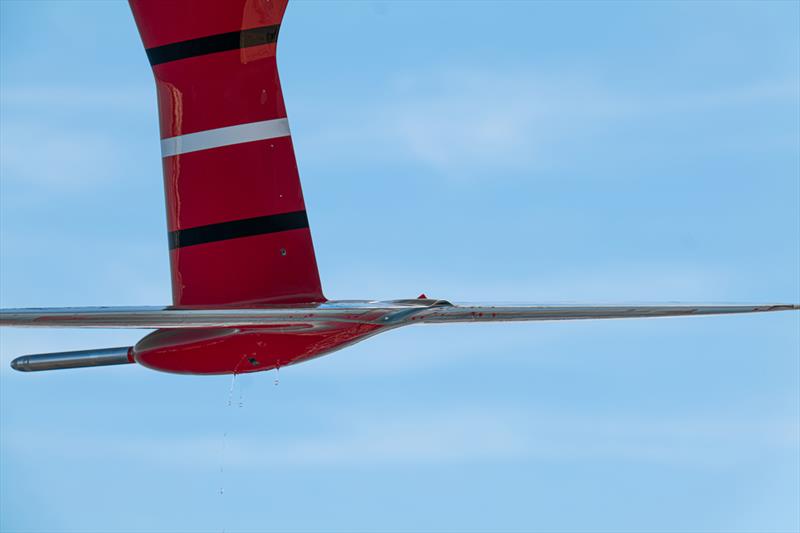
(539, 152)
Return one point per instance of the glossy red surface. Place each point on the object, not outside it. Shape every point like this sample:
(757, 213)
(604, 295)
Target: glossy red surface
(218, 185)
(247, 270)
(228, 183)
(226, 351)
(217, 90)
(162, 22)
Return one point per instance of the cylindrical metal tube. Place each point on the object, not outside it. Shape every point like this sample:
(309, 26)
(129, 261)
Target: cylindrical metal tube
(78, 359)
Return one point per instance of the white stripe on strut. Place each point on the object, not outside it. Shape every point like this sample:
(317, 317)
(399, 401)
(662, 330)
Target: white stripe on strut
(242, 133)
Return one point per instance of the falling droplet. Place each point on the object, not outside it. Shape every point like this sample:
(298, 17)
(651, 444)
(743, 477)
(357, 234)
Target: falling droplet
(225, 439)
(277, 375)
(230, 391)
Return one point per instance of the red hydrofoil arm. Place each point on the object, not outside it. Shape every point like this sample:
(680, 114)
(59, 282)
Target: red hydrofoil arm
(238, 229)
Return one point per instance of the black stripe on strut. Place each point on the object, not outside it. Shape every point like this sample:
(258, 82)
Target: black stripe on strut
(213, 43)
(247, 227)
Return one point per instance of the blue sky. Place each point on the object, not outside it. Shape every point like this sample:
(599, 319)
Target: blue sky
(592, 152)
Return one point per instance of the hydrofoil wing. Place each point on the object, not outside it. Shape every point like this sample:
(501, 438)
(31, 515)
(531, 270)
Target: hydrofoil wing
(395, 313)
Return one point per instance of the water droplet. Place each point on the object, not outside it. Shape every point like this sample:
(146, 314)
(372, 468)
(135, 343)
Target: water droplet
(230, 391)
